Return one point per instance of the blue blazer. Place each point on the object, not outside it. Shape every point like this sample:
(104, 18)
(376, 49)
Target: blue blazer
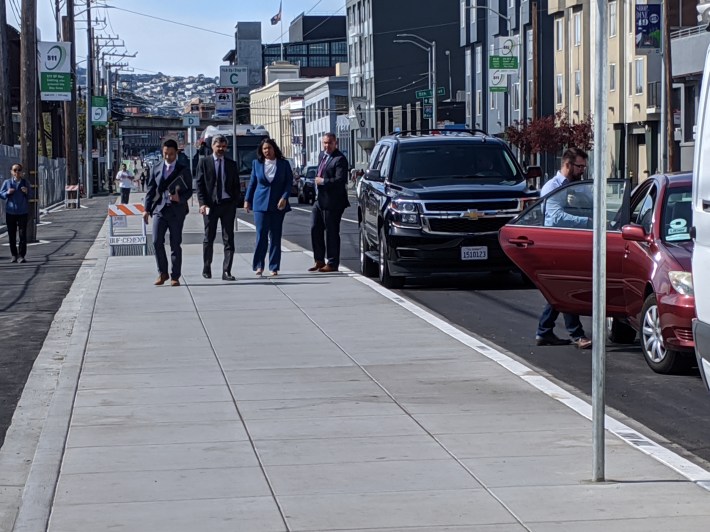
(264, 196)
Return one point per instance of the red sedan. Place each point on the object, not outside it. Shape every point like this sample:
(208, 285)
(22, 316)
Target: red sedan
(649, 281)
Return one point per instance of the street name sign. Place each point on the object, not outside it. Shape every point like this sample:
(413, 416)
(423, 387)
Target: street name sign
(427, 93)
(233, 76)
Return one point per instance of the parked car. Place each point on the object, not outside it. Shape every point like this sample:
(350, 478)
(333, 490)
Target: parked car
(649, 280)
(307, 185)
(432, 203)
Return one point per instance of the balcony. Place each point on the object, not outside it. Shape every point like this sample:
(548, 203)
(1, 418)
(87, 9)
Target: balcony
(653, 97)
(688, 48)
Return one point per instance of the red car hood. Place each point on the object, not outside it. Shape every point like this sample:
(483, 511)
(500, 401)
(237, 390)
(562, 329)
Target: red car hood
(681, 251)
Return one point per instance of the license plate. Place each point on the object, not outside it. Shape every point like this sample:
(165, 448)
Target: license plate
(474, 253)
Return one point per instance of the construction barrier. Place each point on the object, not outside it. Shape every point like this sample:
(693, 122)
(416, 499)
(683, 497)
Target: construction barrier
(117, 219)
(71, 190)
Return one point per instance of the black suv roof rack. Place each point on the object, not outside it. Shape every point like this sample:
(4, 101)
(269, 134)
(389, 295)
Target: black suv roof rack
(439, 131)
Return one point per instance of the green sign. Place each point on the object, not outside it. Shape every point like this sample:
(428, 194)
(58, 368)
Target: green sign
(428, 101)
(499, 89)
(50, 82)
(99, 110)
(503, 62)
(440, 91)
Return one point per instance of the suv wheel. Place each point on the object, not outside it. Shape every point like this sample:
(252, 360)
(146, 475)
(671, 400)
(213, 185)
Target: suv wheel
(301, 199)
(387, 280)
(368, 267)
(658, 357)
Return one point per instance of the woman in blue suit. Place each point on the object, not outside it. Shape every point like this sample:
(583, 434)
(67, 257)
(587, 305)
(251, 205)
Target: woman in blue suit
(267, 195)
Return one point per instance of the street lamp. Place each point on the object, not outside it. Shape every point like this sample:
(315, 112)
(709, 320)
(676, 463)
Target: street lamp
(430, 47)
(448, 55)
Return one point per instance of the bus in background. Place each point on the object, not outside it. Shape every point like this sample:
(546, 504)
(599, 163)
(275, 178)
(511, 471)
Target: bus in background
(701, 228)
(248, 137)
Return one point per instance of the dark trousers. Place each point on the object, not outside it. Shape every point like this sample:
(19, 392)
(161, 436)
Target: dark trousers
(269, 227)
(325, 235)
(548, 318)
(170, 218)
(17, 223)
(125, 194)
(224, 213)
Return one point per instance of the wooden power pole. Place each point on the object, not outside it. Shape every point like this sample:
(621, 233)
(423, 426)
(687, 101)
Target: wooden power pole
(6, 133)
(28, 107)
(668, 80)
(71, 144)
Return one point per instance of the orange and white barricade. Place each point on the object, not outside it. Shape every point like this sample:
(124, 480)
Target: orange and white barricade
(118, 214)
(71, 190)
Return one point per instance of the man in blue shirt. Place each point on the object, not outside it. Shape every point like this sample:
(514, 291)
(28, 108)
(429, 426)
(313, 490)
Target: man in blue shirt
(574, 163)
(17, 192)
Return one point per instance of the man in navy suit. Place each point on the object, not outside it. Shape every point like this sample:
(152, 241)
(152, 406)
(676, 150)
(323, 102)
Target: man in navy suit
(169, 189)
(331, 201)
(218, 194)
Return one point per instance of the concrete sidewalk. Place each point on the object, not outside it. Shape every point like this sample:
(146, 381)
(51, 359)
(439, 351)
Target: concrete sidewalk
(312, 402)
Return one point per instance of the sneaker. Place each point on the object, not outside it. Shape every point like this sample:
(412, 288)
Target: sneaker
(551, 339)
(22, 260)
(14, 259)
(582, 342)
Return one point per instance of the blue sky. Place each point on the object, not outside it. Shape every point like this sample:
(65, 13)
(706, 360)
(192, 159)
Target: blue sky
(174, 49)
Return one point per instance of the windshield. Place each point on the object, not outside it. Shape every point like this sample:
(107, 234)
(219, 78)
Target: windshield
(677, 215)
(311, 172)
(466, 162)
(246, 150)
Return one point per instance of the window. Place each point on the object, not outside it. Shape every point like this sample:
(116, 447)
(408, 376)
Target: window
(558, 34)
(463, 14)
(493, 97)
(530, 94)
(612, 77)
(511, 3)
(631, 78)
(577, 29)
(479, 59)
(479, 102)
(577, 82)
(612, 19)
(491, 50)
(559, 89)
(530, 44)
(516, 96)
(639, 75)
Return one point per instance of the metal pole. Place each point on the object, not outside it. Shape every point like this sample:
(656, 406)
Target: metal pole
(599, 256)
(434, 117)
(89, 92)
(431, 88)
(109, 127)
(522, 108)
(234, 123)
(663, 145)
(448, 55)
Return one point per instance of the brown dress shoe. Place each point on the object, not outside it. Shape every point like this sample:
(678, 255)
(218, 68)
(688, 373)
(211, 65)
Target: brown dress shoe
(161, 279)
(175, 282)
(317, 266)
(328, 268)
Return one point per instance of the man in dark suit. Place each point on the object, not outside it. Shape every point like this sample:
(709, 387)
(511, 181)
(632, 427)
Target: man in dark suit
(218, 193)
(169, 189)
(331, 200)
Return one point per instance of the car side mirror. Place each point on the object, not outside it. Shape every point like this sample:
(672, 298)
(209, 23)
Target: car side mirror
(634, 233)
(534, 172)
(373, 175)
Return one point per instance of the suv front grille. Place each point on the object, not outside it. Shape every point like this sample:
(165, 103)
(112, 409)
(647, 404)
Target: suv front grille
(493, 205)
(465, 225)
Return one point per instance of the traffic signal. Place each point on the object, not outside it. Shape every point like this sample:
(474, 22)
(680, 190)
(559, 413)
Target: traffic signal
(704, 14)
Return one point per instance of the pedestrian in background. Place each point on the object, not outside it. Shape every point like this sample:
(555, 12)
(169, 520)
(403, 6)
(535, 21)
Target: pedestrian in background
(574, 163)
(17, 193)
(144, 176)
(331, 201)
(169, 189)
(217, 193)
(125, 179)
(267, 194)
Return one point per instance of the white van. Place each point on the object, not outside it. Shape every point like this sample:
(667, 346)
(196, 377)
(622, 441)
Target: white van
(701, 228)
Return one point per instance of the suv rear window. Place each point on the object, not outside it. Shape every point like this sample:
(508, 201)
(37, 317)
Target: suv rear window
(464, 162)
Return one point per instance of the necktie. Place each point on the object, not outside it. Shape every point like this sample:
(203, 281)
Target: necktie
(219, 180)
(322, 164)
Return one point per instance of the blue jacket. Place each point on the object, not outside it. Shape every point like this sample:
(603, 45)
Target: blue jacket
(264, 196)
(18, 202)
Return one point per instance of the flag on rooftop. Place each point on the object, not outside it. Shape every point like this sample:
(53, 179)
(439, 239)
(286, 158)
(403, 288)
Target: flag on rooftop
(277, 17)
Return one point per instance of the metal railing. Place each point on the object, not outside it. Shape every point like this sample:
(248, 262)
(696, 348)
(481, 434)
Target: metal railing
(687, 32)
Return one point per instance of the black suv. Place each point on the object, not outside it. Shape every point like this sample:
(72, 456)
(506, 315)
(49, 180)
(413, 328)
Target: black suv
(433, 202)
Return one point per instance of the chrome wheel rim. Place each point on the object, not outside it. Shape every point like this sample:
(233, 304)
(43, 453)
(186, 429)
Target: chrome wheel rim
(651, 336)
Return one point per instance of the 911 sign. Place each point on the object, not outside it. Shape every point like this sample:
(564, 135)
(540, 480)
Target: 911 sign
(234, 76)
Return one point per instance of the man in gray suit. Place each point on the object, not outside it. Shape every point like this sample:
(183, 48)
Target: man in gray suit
(169, 189)
(218, 193)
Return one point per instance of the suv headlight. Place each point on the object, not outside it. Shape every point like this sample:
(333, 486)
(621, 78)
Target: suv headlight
(682, 282)
(406, 213)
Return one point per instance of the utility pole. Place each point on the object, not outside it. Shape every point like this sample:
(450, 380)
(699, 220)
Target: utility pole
(6, 133)
(669, 160)
(88, 157)
(28, 107)
(71, 145)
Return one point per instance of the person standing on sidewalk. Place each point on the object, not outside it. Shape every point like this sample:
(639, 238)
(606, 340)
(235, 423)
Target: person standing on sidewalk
(574, 163)
(331, 201)
(17, 193)
(268, 193)
(169, 189)
(218, 194)
(125, 179)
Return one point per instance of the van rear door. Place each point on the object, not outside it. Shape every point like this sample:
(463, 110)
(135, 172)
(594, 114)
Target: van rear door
(701, 224)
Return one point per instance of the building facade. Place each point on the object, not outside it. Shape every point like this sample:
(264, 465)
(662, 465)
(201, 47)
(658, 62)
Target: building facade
(324, 101)
(315, 58)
